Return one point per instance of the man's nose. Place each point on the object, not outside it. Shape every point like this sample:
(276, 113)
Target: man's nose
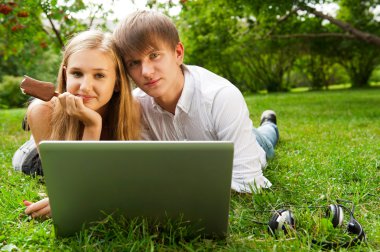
(147, 69)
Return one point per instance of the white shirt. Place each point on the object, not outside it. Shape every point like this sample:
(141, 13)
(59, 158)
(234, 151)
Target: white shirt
(210, 108)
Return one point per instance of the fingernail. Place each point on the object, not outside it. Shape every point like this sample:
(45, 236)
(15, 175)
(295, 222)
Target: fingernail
(27, 203)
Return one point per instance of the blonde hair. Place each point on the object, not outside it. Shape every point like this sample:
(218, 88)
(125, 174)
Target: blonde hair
(143, 30)
(121, 120)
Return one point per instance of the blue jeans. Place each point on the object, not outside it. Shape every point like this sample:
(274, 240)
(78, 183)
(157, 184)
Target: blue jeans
(267, 136)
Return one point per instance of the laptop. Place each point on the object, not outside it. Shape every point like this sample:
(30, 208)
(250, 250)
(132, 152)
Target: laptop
(160, 181)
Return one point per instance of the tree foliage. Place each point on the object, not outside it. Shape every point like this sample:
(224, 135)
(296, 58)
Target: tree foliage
(10, 95)
(30, 30)
(256, 43)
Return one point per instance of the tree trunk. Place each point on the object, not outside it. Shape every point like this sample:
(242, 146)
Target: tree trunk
(360, 80)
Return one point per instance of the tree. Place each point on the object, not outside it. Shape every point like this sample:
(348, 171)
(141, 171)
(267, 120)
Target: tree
(236, 32)
(220, 37)
(359, 59)
(345, 34)
(28, 28)
(210, 32)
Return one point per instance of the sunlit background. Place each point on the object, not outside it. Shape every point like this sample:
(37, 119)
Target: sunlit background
(121, 8)
(259, 45)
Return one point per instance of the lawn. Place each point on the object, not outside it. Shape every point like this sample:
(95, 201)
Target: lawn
(329, 150)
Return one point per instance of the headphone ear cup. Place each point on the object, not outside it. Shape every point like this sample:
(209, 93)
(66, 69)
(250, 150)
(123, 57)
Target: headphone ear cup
(273, 224)
(280, 220)
(337, 214)
(354, 227)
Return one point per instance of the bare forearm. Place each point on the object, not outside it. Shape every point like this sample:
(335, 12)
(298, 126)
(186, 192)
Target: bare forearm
(92, 132)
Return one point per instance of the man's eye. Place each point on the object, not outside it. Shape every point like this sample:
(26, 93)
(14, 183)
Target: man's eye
(132, 63)
(154, 55)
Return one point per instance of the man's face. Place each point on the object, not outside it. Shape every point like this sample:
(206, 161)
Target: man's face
(158, 71)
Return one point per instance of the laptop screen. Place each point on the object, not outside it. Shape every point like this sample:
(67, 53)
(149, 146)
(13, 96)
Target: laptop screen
(151, 179)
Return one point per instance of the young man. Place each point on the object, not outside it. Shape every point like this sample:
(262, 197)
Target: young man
(181, 102)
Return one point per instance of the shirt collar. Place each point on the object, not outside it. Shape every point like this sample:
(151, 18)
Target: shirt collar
(186, 98)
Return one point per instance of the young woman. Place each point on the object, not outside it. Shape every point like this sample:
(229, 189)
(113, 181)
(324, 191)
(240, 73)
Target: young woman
(95, 101)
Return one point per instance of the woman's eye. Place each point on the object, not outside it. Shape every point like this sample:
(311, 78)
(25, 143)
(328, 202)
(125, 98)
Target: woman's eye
(99, 76)
(76, 74)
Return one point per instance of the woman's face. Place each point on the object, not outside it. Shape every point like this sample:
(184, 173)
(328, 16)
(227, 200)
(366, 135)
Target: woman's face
(91, 75)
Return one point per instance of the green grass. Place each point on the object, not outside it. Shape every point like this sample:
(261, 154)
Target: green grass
(329, 150)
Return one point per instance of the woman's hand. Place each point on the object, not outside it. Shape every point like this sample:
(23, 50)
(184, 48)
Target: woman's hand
(74, 106)
(91, 119)
(40, 209)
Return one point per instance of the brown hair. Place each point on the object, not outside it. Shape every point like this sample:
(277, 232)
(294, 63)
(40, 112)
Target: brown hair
(143, 30)
(121, 120)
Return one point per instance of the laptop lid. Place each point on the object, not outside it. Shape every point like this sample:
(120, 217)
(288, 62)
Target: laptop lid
(156, 180)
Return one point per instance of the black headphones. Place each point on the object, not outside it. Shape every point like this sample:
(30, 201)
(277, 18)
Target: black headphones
(284, 220)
